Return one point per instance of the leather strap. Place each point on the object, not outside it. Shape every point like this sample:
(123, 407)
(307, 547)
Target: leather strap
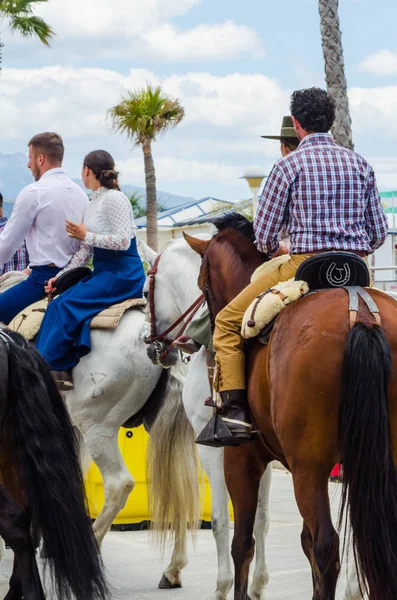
(356, 292)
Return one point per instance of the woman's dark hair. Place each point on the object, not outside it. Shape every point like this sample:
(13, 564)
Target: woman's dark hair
(291, 143)
(102, 165)
(314, 109)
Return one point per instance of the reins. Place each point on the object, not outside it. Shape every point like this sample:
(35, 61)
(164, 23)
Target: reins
(160, 339)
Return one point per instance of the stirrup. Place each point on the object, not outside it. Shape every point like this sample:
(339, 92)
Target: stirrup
(217, 434)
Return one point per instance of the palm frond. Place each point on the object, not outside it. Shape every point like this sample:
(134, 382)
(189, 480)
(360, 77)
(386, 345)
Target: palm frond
(22, 20)
(145, 113)
(33, 27)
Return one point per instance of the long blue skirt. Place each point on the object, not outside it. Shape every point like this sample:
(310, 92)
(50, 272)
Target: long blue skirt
(64, 336)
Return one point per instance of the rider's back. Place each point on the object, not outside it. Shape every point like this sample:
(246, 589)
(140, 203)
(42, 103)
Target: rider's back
(44, 206)
(331, 192)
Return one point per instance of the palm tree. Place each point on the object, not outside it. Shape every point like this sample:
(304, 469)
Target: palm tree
(19, 14)
(335, 71)
(143, 115)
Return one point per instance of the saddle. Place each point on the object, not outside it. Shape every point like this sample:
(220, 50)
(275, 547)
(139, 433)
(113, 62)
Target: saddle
(28, 321)
(334, 269)
(330, 270)
(70, 278)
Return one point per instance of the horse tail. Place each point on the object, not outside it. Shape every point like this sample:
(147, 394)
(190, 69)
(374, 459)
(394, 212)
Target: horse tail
(47, 454)
(172, 466)
(369, 492)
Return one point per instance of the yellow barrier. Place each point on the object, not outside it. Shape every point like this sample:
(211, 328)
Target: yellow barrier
(133, 444)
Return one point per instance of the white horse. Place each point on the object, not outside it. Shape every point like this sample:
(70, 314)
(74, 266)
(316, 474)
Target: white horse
(175, 290)
(111, 385)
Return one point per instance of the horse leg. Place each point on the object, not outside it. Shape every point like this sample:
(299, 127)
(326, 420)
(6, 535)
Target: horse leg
(15, 530)
(212, 461)
(171, 578)
(307, 547)
(311, 492)
(261, 527)
(117, 480)
(243, 472)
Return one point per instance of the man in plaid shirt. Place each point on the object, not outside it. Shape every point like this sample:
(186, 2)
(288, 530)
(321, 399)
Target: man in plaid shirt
(20, 260)
(326, 198)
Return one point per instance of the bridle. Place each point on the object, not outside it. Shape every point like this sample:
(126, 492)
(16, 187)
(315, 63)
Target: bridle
(160, 341)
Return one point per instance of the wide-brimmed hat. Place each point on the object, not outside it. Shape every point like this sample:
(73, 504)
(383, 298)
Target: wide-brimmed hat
(287, 131)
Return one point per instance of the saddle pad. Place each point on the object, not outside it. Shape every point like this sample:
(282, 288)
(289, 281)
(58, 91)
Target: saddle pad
(28, 321)
(110, 317)
(11, 278)
(268, 305)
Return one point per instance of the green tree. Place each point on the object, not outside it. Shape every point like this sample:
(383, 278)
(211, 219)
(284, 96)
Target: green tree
(335, 70)
(19, 14)
(138, 205)
(143, 115)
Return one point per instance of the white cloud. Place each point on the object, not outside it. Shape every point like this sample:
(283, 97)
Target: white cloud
(225, 117)
(383, 62)
(77, 100)
(386, 171)
(218, 139)
(374, 110)
(173, 169)
(136, 30)
(104, 19)
(223, 41)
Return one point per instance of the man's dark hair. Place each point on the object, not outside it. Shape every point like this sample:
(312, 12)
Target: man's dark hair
(1, 200)
(314, 109)
(50, 145)
(291, 143)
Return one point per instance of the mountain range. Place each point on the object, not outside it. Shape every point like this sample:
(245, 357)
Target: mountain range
(14, 175)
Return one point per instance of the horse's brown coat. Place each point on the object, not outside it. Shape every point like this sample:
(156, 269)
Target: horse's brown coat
(294, 392)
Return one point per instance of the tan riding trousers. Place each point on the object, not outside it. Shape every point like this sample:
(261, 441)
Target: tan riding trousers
(228, 343)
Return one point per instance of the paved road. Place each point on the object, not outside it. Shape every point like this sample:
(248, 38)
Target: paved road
(135, 570)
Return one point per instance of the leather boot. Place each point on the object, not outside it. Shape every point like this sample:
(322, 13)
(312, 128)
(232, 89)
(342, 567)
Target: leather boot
(229, 426)
(236, 415)
(64, 380)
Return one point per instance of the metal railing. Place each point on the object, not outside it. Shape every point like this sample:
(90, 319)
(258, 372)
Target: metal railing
(382, 283)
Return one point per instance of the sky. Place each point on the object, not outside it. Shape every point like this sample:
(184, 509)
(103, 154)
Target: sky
(232, 64)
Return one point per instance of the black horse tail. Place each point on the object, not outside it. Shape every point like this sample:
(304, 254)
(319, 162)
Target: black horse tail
(369, 493)
(47, 454)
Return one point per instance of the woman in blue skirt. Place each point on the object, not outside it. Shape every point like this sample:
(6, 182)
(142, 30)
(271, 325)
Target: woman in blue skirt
(108, 237)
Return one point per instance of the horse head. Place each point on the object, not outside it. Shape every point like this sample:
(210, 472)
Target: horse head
(171, 287)
(228, 259)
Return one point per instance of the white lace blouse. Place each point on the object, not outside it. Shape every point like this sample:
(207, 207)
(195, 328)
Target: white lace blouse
(110, 223)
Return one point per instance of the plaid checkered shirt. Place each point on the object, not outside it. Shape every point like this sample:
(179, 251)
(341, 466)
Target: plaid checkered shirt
(20, 260)
(325, 196)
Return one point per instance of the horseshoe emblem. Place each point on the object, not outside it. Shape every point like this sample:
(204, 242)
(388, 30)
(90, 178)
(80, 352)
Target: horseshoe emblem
(338, 276)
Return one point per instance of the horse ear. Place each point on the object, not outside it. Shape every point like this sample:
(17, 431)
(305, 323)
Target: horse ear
(199, 246)
(146, 253)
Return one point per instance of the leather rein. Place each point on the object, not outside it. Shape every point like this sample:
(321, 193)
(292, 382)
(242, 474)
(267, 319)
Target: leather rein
(161, 342)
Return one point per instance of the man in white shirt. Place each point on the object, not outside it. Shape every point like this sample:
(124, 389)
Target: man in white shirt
(39, 216)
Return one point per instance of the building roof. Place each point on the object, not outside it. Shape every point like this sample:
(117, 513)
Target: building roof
(244, 206)
(186, 213)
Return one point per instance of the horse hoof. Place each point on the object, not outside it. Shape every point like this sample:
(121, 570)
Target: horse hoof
(165, 584)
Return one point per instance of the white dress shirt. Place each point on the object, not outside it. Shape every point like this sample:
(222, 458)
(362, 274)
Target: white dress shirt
(39, 216)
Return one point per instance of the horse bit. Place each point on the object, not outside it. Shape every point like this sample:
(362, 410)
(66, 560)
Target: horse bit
(160, 341)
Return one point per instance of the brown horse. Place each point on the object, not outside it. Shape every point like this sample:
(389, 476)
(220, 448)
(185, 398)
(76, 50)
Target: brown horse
(320, 393)
(42, 491)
